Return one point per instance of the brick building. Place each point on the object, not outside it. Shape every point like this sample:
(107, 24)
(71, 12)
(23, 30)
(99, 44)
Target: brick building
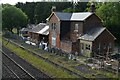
(24, 31)
(39, 32)
(80, 32)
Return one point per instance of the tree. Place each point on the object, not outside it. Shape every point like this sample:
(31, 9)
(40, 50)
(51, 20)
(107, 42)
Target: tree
(68, 10)
(28, 8)
(38, 11)
(110, 14)
(43, 9)
(13, 17)
(78, 7)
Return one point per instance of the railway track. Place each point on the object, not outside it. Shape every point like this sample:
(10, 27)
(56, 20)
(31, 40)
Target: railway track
(7, 72)
(15, 68)
(49, 61)
(27, 66)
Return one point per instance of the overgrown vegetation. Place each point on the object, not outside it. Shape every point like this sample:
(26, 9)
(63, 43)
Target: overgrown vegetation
(39, 11)
(13, 17)
(69, 64)
(37, 62)
(109, 12)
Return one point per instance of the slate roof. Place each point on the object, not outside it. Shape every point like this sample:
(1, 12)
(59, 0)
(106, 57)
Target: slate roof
(78, 16)
(44, 30)
(92, 34)
(30, 26)
(41, 28)
(63, 16)
(24, 29)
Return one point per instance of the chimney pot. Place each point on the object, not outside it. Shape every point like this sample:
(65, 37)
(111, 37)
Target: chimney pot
(92, 7)
(53, 8)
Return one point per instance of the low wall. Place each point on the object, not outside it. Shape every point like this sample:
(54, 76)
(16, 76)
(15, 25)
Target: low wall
(66, 46)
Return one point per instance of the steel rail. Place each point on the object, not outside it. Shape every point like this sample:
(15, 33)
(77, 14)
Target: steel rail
(32, 77)
(11, 70)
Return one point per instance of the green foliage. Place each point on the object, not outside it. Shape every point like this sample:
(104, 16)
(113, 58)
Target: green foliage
(39, 11)
(43, 9)
(39, 63)
(27, 8)
(79, 7)
(110, 14)
(6, 5)
(68, 10)
(14, 30)
(13, 18)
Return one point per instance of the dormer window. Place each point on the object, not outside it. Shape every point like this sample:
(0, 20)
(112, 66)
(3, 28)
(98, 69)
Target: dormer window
(53, 26)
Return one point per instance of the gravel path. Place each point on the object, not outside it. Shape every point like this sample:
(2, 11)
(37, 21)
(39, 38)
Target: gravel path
(85, 69)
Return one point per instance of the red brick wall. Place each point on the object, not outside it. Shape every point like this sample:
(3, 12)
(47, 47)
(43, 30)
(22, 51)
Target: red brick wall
(73, 34)
(91, 22)
(50, 39)
(104, 38)
(73, 37)
(75, 46)
(54, 33)
(58, 41)
(53, 18)
(66, 46)
(69, 47)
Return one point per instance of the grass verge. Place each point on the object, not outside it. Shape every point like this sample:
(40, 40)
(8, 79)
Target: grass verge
(70, 64)
(38, 63)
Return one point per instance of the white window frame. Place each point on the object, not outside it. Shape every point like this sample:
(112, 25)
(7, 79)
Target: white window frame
(76, 27)
(88, 47)
(53, 26)
(53, 41)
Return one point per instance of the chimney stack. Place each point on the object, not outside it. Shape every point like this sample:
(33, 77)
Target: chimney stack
(92, 7)
(53, 9)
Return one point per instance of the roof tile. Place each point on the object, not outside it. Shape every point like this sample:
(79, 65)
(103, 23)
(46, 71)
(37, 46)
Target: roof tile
(80, 16)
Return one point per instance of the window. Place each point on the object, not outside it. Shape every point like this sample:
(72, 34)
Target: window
(76, 26)
(53, 41)
(104, 46)
(110, 45)
(82, 46)
(87, 47)
(53, 26)
(99, 46)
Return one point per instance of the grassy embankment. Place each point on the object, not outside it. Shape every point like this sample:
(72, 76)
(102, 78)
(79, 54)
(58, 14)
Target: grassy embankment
(64, 62)
(38, 63)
